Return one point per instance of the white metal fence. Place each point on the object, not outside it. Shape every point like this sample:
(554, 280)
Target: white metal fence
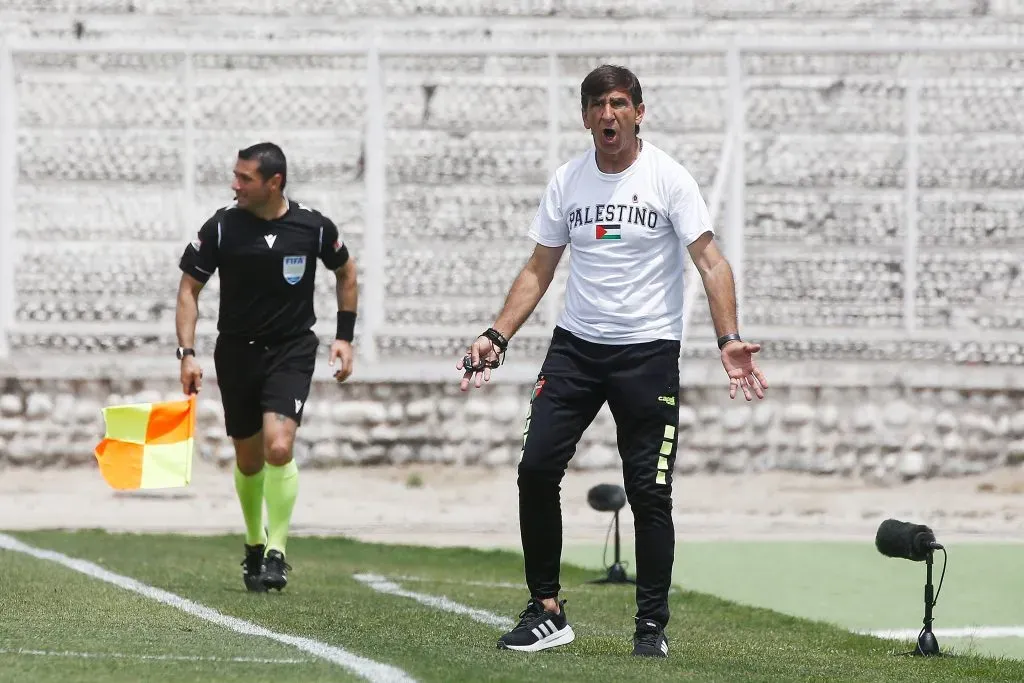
(728, 182)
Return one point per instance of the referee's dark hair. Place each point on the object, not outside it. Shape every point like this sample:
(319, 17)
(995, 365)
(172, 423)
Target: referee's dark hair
(271, 160)
(606, 78)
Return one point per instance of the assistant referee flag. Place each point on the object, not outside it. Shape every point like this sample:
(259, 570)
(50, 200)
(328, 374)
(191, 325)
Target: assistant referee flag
(148, 445)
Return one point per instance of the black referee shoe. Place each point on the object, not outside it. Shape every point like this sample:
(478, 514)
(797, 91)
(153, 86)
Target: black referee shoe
(252, 568)
(649, 640)
(275, 570)
(538, 629)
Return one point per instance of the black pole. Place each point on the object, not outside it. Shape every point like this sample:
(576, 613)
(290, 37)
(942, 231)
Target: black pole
(927, 645)
(616, 573)
(617, 561)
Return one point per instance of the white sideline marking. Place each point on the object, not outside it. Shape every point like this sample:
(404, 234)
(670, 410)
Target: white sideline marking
(161, 658)
(501, 584)
(963, 632)
(383, 585)
(484, 584)
(361, 666)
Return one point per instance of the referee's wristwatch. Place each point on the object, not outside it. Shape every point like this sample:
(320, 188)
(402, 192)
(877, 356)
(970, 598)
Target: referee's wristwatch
(182, 352)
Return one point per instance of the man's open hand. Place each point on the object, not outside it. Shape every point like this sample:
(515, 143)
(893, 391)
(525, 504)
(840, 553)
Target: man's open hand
(738, 361)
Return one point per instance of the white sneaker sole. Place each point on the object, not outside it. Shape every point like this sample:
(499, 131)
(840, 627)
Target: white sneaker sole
(563, 637)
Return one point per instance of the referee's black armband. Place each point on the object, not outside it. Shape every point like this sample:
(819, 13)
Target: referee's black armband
(346, 325)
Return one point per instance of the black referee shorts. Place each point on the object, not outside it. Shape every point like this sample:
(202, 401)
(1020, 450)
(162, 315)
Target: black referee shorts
(261, 376)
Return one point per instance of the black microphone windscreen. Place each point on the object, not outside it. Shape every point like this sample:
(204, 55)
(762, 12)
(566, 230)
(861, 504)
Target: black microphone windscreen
(606, 497)
(900, 539)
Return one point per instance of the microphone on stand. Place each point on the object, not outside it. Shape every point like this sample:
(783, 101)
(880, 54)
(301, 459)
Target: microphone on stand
(915, 542)
(610, 498)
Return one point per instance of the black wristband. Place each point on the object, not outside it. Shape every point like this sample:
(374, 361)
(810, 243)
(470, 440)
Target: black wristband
(496, 338)
(726, 338)
(346, 325)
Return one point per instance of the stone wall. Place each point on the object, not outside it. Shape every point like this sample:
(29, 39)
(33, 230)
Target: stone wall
(857, 424)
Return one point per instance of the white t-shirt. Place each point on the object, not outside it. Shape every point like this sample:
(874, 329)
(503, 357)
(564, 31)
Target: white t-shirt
(627, 233)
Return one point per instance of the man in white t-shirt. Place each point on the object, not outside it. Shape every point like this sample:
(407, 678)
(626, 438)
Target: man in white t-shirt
(628, 210)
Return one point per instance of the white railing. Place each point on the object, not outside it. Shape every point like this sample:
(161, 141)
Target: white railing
(8, 184)
(727, 189)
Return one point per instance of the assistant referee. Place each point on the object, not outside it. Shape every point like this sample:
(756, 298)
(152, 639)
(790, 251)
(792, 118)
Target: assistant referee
(265, 247)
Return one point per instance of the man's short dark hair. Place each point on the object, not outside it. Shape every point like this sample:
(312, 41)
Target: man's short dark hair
(270, 157)
(606, 78)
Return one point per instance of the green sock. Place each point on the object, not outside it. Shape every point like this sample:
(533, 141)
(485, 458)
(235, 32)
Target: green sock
(250, 495)
(280, 491)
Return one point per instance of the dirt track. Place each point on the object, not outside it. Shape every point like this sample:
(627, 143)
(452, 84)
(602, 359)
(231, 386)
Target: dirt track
(478, 506)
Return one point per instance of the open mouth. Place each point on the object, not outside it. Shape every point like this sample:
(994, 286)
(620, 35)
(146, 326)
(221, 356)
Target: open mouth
(608, 134)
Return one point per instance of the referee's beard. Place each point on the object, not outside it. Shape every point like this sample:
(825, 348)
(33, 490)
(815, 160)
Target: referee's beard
(267, 205)
(248, 202)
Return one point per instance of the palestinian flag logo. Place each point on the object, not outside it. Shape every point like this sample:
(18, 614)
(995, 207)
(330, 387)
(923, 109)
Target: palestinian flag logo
(537, 388)
(608, 232)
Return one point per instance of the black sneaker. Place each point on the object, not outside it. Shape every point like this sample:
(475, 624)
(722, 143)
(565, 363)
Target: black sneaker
(275, 570)
(252, 568)
(538, 629)
(649, 640)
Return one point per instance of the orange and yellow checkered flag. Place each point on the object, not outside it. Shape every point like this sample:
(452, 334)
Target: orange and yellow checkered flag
(148, 445)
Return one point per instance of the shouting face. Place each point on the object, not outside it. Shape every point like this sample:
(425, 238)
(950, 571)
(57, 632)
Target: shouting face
(612, 120)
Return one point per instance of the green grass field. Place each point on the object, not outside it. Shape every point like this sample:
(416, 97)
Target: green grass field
(851, 585)
(331, 625)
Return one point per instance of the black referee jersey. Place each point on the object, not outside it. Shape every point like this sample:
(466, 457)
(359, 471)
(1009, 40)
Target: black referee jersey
(267, 268)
